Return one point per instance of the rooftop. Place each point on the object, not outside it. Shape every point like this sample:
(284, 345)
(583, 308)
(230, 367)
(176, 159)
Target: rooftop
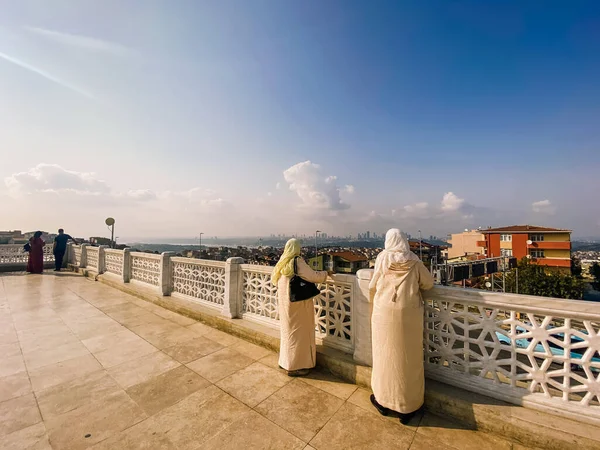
(88, 366)
(525, 229)
(349, 256)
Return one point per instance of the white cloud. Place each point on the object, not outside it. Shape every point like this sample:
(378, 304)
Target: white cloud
(141, 194)
(278, 186)
(451, 202)
(417, 209)
(349, 189)
(543, 207)
(53, 178)
(314, 190)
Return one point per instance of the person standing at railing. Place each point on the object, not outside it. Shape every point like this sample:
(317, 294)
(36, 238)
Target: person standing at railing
(298, 350)
(398, 379)
(60, 247)
(35, 262)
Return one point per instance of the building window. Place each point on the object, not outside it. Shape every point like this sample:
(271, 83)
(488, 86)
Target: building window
(536, 237)
(536, 253)
(506, 252)
(506, 237)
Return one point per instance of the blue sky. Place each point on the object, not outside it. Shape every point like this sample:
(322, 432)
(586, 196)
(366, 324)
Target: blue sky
(179, 115)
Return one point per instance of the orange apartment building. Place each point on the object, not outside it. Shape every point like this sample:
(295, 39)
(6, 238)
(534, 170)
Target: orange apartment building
(545, 246)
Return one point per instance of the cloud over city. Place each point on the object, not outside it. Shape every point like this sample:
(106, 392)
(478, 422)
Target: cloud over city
(543, 207)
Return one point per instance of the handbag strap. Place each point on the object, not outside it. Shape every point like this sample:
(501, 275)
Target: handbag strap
(295, 265)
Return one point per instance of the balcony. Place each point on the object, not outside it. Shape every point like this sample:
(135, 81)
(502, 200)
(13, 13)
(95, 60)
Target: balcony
(482, 244)
(130, 346)
(548, 245)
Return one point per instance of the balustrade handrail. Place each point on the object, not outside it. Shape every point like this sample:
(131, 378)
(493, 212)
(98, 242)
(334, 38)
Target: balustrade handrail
(200, 262)
(145, 255)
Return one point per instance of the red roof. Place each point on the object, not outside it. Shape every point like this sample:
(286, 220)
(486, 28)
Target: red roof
(349, 256)
(525, 229)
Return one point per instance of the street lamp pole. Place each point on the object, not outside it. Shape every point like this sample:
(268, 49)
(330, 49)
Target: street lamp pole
(200, 240)
(420, 246)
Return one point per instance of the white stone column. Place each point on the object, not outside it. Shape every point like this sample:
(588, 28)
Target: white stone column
(165, 272)
(362, 308)
(232, 306)
(68, 255)
(126, 265)
(83, 259)
(102, 258)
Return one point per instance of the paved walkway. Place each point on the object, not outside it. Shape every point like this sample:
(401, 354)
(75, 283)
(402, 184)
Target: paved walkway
(84, 365)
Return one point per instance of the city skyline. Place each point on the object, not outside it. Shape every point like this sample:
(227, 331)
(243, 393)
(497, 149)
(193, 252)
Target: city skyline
(235, 119)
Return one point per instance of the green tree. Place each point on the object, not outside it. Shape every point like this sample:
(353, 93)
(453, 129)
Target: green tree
(595, 273)
(576, 269)
(534, 280)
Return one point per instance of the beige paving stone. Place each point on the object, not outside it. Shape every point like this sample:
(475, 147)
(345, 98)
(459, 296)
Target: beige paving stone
(124, 352)
(218, 365)
(166, 389)
(98, 420)
(458, 436)
(28, 322)
(104, 342)
(87, 330)
(199, 417)
(123, 311)
(73, 394)
(143, 319)
(14, 386)
(170, 338)
(193, 349)
(8, 334)
(264, 435)
(142, 435)
(18, 413)
(174, 317)
(147, 330)
(142, 369)
(251, 350)
(43, 332)
(300, 409)
(44, 357)
(360, 397)
(421, 442)
(48, 343)
(12, 360)
(352, 427)
(30, 438)
(330, 384)
(223, 338)
(254, 383)
(63, 371)
(272, 361)
(199, 328)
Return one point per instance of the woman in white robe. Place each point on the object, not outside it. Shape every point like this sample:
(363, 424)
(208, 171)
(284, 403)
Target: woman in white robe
(398, 379)
(297, 351)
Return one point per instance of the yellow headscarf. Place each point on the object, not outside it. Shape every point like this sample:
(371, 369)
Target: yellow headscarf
(285, 266)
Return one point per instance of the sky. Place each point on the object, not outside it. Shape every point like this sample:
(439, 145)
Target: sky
(240, 118)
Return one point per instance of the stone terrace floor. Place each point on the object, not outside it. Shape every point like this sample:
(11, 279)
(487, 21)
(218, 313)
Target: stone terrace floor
(84, 365)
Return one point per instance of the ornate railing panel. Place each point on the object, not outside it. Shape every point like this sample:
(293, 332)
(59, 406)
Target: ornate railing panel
(259, 296)
(145, 268)
(13, 254)
(202, 280)
(93, 254)
(333, 307)
(518, 348)
(113, 261)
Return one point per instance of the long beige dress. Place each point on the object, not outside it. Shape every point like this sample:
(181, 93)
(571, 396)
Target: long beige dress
(398, 379)
(297, 322)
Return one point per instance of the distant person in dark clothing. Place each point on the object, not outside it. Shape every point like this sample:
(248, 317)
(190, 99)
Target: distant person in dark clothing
(35, 262)
(60, 247)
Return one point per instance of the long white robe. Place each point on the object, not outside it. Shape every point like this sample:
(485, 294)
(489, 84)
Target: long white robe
(398, 379)
(297, 322)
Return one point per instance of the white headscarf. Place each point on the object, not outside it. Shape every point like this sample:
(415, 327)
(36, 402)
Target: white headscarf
(397, 251)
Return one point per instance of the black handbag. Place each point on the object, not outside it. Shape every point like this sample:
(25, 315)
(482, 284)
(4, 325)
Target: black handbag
(27, 247)
(300, 289)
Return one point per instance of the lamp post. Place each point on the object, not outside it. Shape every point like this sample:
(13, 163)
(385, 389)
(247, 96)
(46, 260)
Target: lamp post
(200, 240)
(420, 246)
(316, 247)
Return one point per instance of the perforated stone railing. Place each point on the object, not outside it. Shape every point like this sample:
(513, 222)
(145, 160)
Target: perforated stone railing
(113, 261)
(199, 279)
(75, 255)
(146, 268)
(333, 307)
(523, 349)
(539, 352)
(93, 255)
(14, 255)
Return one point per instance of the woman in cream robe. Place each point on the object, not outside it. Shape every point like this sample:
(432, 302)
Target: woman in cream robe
(398, 380)
(297, 351)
